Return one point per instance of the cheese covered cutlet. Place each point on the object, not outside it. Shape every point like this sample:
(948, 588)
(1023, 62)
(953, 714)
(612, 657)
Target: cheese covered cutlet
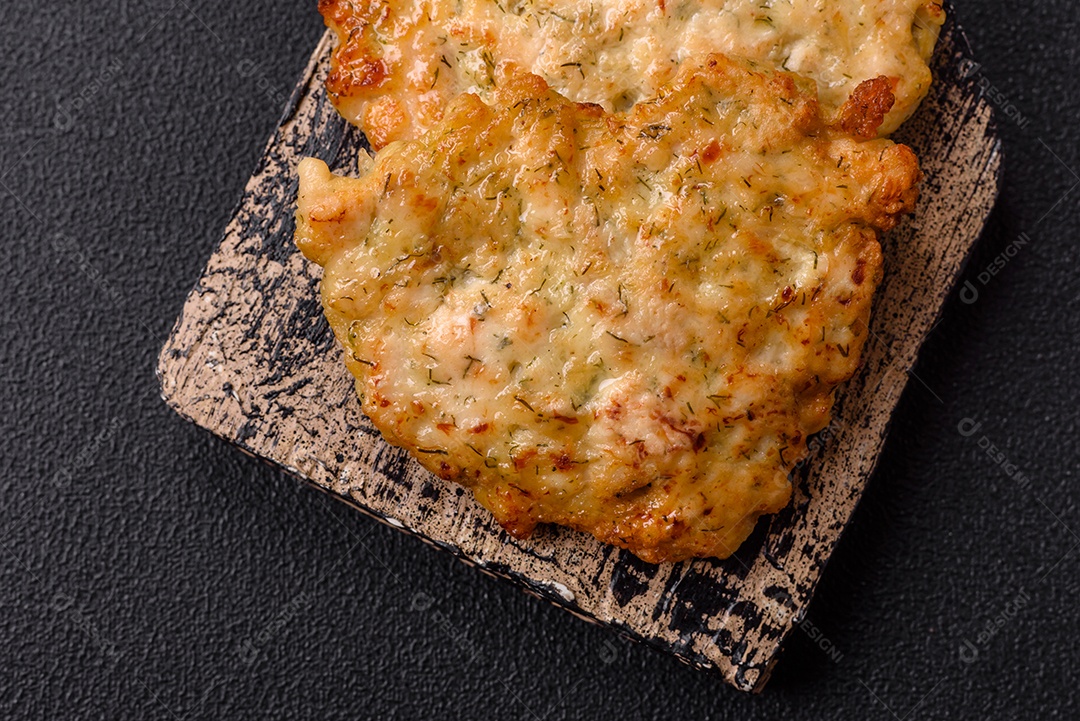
(399, 63)
(624, 323)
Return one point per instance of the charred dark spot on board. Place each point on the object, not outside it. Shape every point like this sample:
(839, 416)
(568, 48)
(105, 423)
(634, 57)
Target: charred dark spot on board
(245, 433)
(701, 597)
(630, 578)
(668, 595)
(288, 391)
(391, 462)
(778, 546)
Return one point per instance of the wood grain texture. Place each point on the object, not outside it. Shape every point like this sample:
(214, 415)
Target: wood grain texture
(252, 359)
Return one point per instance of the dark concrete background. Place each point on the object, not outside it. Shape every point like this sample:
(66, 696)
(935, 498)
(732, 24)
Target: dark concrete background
(147, 570)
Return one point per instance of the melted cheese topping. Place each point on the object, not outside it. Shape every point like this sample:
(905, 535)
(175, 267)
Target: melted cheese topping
(624, 324)
(399, 64)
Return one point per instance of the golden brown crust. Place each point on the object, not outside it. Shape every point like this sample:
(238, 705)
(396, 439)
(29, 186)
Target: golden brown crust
(865, 110)
(355, 65)
(626, 324)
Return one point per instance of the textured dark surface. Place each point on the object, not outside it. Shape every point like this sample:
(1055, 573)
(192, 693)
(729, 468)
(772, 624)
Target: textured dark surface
(147, 570)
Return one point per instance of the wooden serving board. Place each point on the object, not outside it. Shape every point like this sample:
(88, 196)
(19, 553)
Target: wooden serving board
(252, 359)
